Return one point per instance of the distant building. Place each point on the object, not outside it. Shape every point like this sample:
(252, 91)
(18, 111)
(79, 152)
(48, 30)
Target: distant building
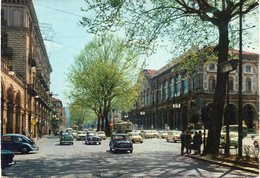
(172, 100)
(68, 119)
(25, 71)
(58, 120)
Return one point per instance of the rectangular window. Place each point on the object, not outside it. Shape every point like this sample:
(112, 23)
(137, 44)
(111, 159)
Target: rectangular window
(172, 88)
(248, 69)
(166, 89)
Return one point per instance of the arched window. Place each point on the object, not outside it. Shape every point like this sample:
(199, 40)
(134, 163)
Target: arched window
(212, 83)
(248, 85)
(178, 85)
(172, 87)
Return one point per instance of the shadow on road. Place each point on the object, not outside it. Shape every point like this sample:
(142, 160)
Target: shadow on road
(155, 164)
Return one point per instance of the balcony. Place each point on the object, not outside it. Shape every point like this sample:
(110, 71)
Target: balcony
(31, 90)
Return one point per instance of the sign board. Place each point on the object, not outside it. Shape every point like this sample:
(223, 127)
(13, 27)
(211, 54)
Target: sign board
(228, 66)
(33, 121)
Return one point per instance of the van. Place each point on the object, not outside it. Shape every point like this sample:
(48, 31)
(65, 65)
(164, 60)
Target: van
(233, 135)
(234, 128)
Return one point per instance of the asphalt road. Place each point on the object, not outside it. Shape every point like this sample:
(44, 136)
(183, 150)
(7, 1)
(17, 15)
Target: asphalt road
(153, 158)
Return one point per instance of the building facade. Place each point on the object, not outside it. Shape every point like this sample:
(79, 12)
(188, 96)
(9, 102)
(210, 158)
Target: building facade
(58, 118)
(173, 100)
(25, 71)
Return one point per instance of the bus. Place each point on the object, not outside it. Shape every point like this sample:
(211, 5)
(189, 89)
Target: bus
(123, 127)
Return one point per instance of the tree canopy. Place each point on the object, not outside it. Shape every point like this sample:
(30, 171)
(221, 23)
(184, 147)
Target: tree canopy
(103, 77)
(184, 23)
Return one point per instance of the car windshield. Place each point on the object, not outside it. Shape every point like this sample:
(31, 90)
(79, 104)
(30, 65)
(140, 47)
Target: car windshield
(91, 133)
(66, 134)
(81, 132)
(120, 137)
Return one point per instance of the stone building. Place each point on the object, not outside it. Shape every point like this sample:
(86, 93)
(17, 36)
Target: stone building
(58, 118)
(173, 100)
(25, 71)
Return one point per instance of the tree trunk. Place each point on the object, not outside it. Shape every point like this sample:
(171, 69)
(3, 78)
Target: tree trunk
(98, 124)
(216, 112)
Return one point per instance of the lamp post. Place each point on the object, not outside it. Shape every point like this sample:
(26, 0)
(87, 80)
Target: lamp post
(176, 106)
(240, 83)
(225, 68)
(142, 113)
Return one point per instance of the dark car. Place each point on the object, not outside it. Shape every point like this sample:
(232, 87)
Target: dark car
(18, 143)
(66, 138)
(7, 158)
(120, 142)
(92, 138)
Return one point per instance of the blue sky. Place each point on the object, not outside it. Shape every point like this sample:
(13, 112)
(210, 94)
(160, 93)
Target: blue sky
(69, 39)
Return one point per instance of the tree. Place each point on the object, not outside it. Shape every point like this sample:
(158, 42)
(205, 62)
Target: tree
(184, 22)
(80, 116)
(103, 76)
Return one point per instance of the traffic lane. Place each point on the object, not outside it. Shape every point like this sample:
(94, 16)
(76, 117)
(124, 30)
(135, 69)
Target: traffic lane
(149, 159)
(106, 164)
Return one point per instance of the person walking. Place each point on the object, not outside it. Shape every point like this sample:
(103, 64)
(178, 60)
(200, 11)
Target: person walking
(195, 145)
(188, 142)
(182, 137)
(199, 141)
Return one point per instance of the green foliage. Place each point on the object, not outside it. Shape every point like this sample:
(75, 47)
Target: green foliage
(189, 60)
(181, 23)
(103, 76)
(80, 115)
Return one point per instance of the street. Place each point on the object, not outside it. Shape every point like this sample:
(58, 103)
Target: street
(153, 158)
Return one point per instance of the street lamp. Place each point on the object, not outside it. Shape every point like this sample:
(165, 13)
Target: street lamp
(176, 106)
(225, 68)
(142, 113)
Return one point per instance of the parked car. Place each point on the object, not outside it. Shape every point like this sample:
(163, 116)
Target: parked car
(66, 138)
(92, 138)
(135, 137)
(102, 135)
(74, 133)
(18, 143)
(7, 158)
(233, 135)
(163, 134)
(120, 142)
(81, 135)
(155, 133)
(147, 134)
(173, 135)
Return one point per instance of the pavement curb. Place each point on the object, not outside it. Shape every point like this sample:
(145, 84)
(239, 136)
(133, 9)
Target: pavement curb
(224, 163)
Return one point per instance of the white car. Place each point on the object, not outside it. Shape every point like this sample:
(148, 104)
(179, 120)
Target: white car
(173, 135)
(81, 135)
(102, 135)
(135, 137)
(163, 134)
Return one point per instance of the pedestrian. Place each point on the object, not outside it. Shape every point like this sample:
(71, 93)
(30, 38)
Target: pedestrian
(182, 136)
(199, 141)
(195, 145)
(188, 142)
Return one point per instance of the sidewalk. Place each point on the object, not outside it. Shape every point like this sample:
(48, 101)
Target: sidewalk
(234, 164)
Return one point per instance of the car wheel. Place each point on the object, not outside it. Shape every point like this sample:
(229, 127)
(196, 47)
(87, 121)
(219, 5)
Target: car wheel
(99, 143)
(116, 151)
(175, 141)
(25, 150)
(131, 151)
(71, 143)
(167, 140)
(133, 141)
(110, 149)
(141, 142)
